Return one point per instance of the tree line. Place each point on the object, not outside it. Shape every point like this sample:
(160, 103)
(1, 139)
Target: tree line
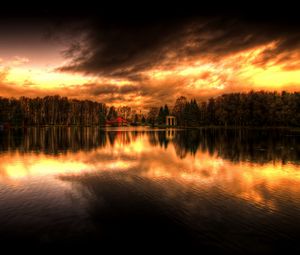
(241, 109)
(235, 109)
(51, 110)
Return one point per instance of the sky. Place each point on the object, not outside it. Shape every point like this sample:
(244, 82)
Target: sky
(147, 59)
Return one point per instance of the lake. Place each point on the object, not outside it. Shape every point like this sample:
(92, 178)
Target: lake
(221, 190)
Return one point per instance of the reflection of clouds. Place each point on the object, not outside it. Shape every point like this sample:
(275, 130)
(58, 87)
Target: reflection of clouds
(119, 156)
(263, 184)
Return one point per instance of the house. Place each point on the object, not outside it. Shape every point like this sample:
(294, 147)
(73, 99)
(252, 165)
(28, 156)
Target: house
(119, 121)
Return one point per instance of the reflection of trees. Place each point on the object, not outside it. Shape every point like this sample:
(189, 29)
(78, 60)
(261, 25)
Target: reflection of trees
(185, 142)
(112, 137)
(135, 134)
(52, 140)
(163, 141)
(233, 144)
(153, 138)
(240, 144)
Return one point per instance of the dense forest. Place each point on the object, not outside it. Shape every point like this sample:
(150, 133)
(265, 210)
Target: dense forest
(234, 109)
(241, 109)
(50, 110)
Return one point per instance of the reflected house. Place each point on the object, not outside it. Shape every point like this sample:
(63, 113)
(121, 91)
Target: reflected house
(171, 120)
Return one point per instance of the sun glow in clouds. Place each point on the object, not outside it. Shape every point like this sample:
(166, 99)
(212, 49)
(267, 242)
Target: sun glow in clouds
(46, 79)
(238, 70)
(201, 77)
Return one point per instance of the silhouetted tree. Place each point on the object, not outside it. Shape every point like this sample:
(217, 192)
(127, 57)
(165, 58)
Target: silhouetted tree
(166, 110)
(143, 119)
(152, 115)
(161, 116)
(112, 113)
(136, 119)
(178, 110)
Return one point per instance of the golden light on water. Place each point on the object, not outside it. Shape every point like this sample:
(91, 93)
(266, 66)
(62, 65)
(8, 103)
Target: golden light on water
(244, 180)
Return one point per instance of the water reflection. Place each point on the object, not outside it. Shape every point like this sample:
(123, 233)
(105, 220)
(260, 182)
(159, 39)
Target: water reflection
(233, 144)
(208, 187)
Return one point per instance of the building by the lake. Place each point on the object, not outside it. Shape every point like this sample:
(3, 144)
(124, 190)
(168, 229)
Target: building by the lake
(171, 120)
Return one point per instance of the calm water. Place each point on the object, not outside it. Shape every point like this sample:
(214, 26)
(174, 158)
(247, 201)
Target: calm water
(218, 190)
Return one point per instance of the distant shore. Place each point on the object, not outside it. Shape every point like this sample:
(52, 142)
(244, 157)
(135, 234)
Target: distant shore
(290, 128)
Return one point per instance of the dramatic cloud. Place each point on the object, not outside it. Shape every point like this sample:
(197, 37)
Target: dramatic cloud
(150, 60)
(127, 49)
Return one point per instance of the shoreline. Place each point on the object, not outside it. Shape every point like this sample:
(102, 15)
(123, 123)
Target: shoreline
(290, 128)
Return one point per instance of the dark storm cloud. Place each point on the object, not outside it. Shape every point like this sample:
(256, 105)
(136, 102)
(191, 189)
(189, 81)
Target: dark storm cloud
(97, 89)
(125, 48)
(123, 42)
(122, 50)
(121, 45)
(286, 52)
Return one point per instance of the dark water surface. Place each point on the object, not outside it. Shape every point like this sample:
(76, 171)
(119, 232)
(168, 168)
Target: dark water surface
(217, 190)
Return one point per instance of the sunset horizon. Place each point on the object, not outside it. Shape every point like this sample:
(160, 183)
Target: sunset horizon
(150, 127)
(140, 64)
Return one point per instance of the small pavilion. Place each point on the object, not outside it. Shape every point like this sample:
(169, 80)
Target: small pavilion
(171, 120)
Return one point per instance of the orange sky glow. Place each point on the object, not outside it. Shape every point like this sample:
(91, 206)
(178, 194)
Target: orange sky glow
(37, 71)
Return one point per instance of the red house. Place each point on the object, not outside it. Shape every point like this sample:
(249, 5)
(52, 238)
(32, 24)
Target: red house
(119, 121)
